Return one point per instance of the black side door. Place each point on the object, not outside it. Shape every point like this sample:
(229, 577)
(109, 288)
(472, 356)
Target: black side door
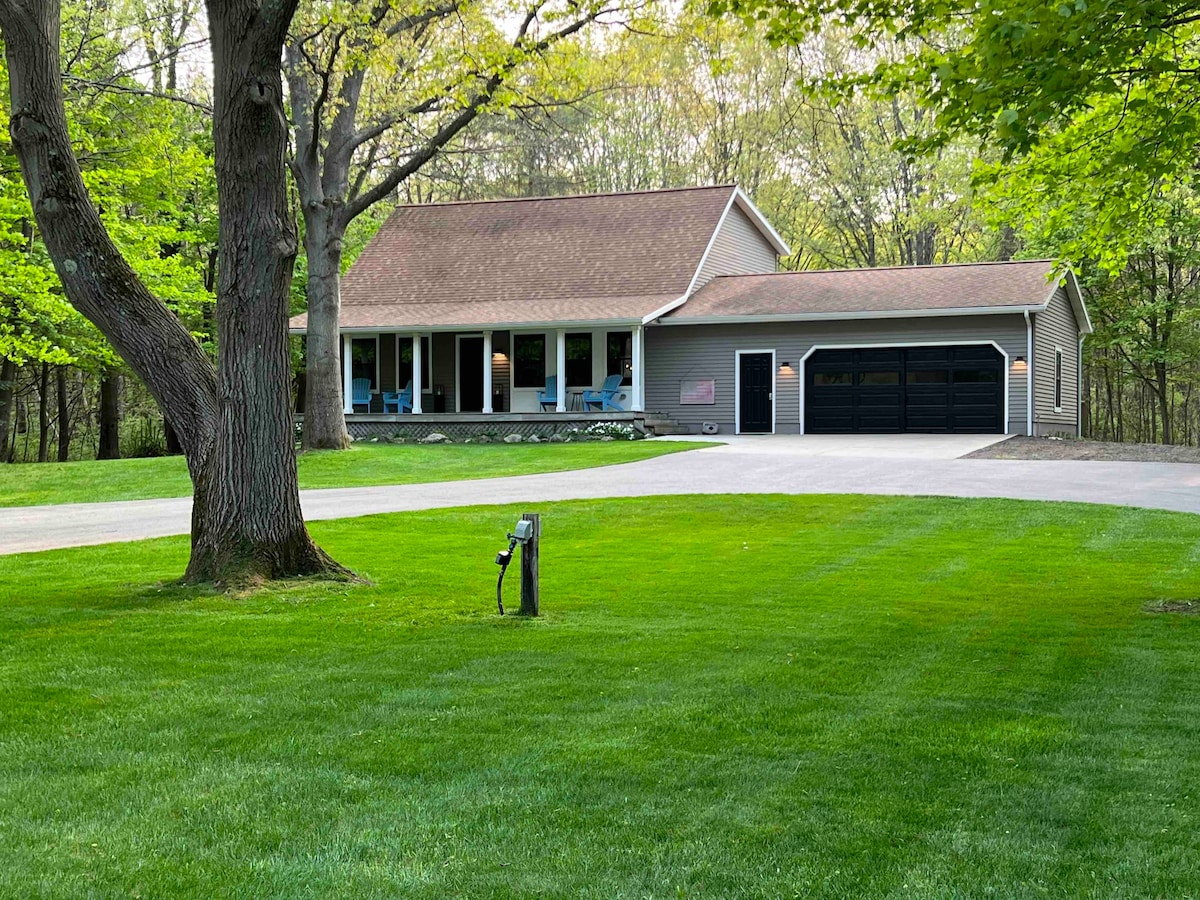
(470, 374)
(755, 388)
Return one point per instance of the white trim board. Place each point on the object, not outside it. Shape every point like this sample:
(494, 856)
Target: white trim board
(886, 345)
(737, 389)
(458, 371)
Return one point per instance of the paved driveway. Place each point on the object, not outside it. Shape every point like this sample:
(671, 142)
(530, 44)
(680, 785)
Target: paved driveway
(757, 466)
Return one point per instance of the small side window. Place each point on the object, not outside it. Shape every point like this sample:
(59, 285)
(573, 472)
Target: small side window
(1058, 359)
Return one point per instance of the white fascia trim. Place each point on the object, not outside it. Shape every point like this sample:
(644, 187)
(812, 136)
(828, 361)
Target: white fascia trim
(747, 206)
(888, 344)
(836, 316)
(662, 311)
(712, 239)
(478, 328)
(1067, 280)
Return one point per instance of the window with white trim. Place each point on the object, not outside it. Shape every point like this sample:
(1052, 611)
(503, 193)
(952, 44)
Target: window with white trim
(1058, 372)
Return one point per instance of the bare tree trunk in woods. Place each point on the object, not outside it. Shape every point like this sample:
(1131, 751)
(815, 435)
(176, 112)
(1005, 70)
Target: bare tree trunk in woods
(44, 414)
(64, 415)
(110, 416)
(8, 383)
(1162, 392)
(235, 423)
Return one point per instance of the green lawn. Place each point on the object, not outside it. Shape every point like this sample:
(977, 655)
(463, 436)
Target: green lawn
(30, 484)
(728, 697)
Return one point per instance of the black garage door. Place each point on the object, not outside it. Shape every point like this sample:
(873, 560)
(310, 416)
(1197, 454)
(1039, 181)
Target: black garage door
(949, 389)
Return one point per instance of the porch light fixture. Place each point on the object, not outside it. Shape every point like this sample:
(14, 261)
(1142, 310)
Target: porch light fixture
(1019, 364)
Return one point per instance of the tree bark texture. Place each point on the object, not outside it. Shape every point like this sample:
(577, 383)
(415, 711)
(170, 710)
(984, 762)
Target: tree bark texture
(324, 422)
(8, 383)
(110, 416)
(246, 510)
(64, 414)
(235, 428)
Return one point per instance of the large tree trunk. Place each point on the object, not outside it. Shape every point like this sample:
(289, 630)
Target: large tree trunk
(248, 496)
(8, 384)
(236, 432)
(110, 416)
(44, 413)
(64, 415)
(324, 423)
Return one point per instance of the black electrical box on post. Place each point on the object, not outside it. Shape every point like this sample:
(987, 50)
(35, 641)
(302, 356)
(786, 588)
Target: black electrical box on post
(530, 600)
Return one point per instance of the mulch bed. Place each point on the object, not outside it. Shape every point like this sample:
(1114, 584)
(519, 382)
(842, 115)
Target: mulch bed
(1071, 449)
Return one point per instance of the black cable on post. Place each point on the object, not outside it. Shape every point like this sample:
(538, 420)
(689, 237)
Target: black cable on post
(499, 589)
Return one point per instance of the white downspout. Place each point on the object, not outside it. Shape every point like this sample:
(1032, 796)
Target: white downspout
(1029, 374)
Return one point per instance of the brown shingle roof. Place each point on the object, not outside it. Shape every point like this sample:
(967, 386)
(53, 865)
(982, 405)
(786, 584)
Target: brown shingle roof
(864, 291)
(584, 258)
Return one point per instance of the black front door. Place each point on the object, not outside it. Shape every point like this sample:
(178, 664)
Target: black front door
(470, 374)
(755, 386)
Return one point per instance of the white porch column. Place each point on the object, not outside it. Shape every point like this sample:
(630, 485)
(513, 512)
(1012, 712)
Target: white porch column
(561, 380)
(418, 368)
(347, 376)
(487, 372)
(638, 400)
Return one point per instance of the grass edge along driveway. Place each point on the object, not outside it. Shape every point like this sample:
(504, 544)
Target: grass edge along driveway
(364, 464)
(727, 696)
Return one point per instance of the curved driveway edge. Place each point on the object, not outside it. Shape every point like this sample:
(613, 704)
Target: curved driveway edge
(729, 469)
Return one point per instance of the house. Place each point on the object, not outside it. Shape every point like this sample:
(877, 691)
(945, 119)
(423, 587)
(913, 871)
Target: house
(503, 313)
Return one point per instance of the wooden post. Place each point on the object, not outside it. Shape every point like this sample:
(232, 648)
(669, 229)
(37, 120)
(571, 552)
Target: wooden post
(529, 568)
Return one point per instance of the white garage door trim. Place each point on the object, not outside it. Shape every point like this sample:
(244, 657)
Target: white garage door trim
(888, 345)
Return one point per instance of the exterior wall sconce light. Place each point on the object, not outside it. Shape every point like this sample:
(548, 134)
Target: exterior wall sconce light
(1019, 364)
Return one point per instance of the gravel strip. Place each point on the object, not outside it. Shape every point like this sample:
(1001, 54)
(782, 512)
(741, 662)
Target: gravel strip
(1021, 447)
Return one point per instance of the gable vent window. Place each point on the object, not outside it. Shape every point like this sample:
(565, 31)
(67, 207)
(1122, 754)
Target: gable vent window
(1058, 359)
(529, 360)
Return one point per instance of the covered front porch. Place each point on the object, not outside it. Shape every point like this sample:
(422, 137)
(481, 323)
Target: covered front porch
(523, 373)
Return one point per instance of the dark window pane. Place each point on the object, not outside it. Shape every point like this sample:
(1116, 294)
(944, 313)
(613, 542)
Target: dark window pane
(620, 355)
(406, 369)
(362, 361)
(976, 376)
(933, 376)
(529, 360)
(879, 378)
(826, 379)
(579, 360)
(1058, 379)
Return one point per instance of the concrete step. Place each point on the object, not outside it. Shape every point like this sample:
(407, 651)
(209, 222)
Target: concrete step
(667, 428)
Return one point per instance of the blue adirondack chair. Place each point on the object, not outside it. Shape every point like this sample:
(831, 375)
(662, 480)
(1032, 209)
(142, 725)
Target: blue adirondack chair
(360, 393)
(605, 398)
(549, 397)
(399, 401)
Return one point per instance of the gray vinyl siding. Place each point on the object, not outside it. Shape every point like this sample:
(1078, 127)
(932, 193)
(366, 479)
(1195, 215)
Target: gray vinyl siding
(1056, 327)
(739, 248)
(501, 368)
(676, 353)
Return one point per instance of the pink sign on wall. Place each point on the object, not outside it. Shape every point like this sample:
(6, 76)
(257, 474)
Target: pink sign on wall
(698, 393)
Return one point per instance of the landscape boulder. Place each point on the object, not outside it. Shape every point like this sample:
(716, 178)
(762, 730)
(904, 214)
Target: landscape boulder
(435, 437)
(513, 438)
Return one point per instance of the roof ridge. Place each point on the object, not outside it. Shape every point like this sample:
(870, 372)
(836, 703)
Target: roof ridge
(672, 190)
(959, 265)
